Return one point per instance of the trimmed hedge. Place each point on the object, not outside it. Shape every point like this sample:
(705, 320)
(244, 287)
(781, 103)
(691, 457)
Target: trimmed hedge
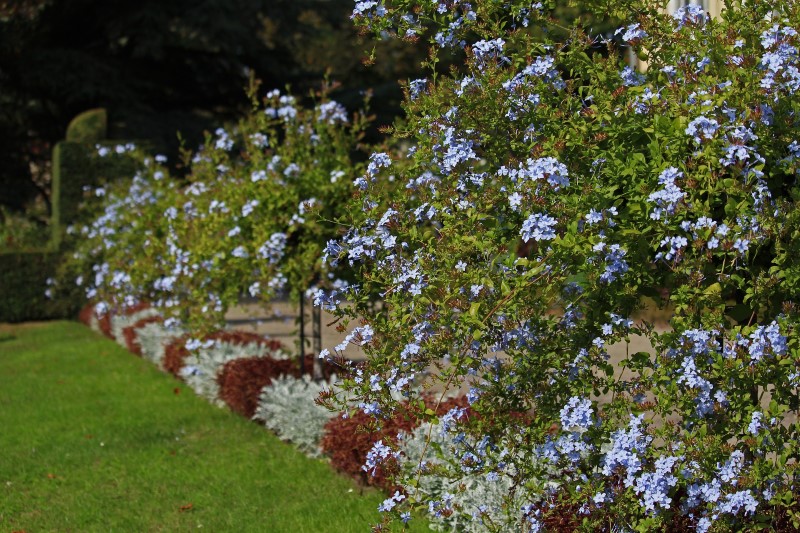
(24, 273)
(23, 282)
(89, 126)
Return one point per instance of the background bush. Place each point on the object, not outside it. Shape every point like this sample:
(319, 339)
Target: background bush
(24, 280)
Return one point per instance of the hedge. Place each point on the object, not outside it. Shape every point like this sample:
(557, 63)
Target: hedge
(24, 273)
(23, 282)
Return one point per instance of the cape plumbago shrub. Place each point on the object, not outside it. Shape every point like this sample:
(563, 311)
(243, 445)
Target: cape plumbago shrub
(114, 250)
(250, 219)
(287, 406)
(439, 464)
(551, 187)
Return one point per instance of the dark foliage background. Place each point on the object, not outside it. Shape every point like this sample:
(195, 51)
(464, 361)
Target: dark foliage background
(163, 67)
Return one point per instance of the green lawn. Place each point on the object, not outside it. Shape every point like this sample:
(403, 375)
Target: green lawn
(95, 439)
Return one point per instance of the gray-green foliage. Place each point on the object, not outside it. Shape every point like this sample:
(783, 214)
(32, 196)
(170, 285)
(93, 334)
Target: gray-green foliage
(287, 407)
(202, 366)
(123, 320)
(153, 338)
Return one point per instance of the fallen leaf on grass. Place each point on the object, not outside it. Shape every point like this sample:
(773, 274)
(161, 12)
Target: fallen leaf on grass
(52, 476)
(176, 390)
(187, 507)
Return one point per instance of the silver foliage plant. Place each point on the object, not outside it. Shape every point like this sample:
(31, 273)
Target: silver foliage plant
(122, 320)
(287, 407)
(206, 361)
(154, 338)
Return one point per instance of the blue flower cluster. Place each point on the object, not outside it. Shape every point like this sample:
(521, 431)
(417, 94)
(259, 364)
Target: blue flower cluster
(692, 14)
(378, 455)
(668, 198)
(539, 227)
(332, 113)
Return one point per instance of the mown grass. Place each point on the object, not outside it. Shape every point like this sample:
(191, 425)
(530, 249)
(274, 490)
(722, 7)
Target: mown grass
(95, 439)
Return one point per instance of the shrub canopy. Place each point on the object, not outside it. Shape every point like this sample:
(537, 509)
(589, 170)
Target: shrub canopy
(551, 187)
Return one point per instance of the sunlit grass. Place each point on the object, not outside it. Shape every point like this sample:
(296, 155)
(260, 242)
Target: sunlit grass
(95, 439)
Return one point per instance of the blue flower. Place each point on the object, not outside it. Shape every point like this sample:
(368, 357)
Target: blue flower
(676, 245)
(733, 503)
(755, 423)
(577, 414)
(615, 264)
(378, 160)
(332, 112)
(249, 207)
(448, 421)
(741, 245)
(389, 503)
(692, 14)
(538, 227)
(666, 199)
(456, 150)
(702, 128)
(632, 32)
(473, 395)
(362, 9)
(626, 447)
(491, 49)
(654, 487)
(259, 140)
(372, 409)
(729, 471)
(223, 140)
(767, 340)
(416, 87)
(630, 77)
(645, 101)
(593, 217)
(273, 249)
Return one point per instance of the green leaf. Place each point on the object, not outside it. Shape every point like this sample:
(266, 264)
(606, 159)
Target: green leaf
(739, 312)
